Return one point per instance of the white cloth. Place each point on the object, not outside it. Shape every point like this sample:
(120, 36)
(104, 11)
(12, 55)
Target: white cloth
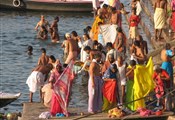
(35, 80)
(45, 115)
(113, 52)
(109, 33)
(95, 4)
(138, 8)
(132, 58)
(83, 54)
(122, 73)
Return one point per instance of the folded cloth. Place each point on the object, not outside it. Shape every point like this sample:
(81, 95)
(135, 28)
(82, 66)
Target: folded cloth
(45, 115)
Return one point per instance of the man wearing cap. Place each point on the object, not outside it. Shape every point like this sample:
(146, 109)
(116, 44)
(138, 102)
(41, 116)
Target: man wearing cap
(65, 46)
(166, 55)
(73, 48)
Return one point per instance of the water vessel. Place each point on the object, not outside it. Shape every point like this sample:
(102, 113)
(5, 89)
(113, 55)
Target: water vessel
(48, 5)
(7, 98)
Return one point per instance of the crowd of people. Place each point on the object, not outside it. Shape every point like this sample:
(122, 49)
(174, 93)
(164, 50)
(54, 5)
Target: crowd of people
(111, 77)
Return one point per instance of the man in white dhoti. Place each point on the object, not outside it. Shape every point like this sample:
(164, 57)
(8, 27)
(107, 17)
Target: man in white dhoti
(37, 78)
(159, 17)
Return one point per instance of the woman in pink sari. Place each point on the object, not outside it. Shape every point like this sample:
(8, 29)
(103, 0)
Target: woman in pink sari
(55, 105)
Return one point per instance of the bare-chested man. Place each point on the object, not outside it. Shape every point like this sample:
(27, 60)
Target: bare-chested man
(44, 59)
(42, 22)
(65, 46)
(37, 78)
(143, 44)
(95, 85)
(114, 17)
(73, 50)
(159, 17)
(54, 30)
(137, 53)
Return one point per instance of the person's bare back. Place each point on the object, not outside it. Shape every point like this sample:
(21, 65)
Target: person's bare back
(73, 45)
(43, 60)
(160, 4)
(65, 46)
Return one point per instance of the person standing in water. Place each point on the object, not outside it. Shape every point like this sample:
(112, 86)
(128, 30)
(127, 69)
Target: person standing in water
(42, 22)
(54, 30)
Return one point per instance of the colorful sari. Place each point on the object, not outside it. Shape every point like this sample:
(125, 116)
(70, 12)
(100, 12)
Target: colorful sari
(61, 91)
(109, 94)
(109, 88)
(95, 30)
(130, 94)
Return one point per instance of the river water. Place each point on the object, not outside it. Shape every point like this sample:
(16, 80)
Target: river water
(16, 33)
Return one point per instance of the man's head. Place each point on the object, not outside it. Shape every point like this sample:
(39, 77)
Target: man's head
(99, 47)
(167, 46)
(137, 43)
(119, 29)
(52, 59)
(139, 38)
(114, 10)
(67, 36)
(42, 17)
(95, 44)
(57, 18)
(132, 63)
(119, 59)
(109, 46)
(43, 50)
(157, 68)
(86, 36)
(111, 58)
(133, 11)
(74, 34)
(30, 48)
(87, 49)
(105, 6)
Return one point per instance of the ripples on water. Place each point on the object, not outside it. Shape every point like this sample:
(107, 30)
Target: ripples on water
(16, 33)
